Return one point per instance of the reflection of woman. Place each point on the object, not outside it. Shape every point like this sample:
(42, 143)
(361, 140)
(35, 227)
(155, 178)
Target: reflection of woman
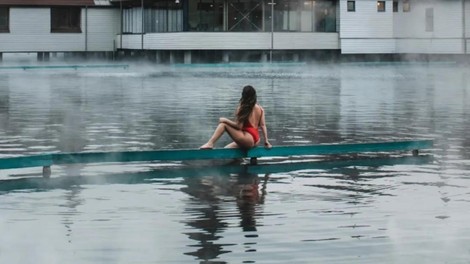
(244, 130)
(249, 197)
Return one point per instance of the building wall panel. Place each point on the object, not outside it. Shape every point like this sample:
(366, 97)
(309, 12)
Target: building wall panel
(430, 46)
(466, 7)
(367, 46)
(366, 21)
(103, 26)
(230, 41)
(366, 31)
(30, 31)
(303, 41)
(448, 19)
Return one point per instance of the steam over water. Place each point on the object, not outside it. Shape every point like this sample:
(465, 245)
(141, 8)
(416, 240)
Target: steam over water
(386, 209)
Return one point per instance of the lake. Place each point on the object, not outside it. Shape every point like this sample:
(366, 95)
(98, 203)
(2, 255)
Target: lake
(348, 209)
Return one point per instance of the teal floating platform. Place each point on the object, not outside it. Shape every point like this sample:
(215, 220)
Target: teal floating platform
(85, 66)
(242, 171)
(47, 160)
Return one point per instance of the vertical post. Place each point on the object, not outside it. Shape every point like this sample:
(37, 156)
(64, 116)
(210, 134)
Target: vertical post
(296, 57)
(263, 12)
(86, 28)
(264, 57)
(122, 24)
(142, 30)
(253, 161)
(185, 16)
(187, 57)
(172, 57)
(272, 32)
(226, 15)
(225, 56)
(158, 57)
(46, 171)
(464, 33)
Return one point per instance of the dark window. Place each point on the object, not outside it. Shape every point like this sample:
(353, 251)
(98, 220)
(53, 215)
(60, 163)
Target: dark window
(351, 6)
(380, 6)
(395, 6)
(205, 15)
(429, 19)
(325, 16)
(65, 19)
(162, 16)
(246, 15)
(300, 16)
(406, 5)
(4, 19)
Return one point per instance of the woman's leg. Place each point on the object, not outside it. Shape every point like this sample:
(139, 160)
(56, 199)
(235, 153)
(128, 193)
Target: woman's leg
(232, 145)
(219, 131)
(240, 138)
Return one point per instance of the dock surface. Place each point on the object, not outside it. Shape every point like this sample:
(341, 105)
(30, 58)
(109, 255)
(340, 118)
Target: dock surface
(47, 160)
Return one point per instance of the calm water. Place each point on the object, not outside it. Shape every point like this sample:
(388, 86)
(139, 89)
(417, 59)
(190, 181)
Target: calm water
(392, 209)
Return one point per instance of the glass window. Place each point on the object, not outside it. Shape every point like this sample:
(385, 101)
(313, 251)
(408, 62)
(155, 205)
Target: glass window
(325, 16)
(281, 16)
(406, 6)
(245, 15)
(302, 16)
(65, 19)
(163, 16)
(4, 19)
(206, 15)
(429, 19)
(307, 17)
(287, 16)
(395, 6)
(380, 6)
(351, 6)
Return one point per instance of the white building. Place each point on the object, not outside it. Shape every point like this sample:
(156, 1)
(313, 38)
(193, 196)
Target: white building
(58, 26)
(235, 29)
(405, 26)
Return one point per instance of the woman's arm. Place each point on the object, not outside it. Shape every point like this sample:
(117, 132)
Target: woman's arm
(262, 124)
(230, 122)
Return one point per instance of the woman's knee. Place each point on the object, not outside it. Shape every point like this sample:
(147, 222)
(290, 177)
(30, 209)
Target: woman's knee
(221, 125)
(224, 126)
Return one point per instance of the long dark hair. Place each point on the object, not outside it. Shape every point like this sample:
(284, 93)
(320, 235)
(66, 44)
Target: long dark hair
(247, 102)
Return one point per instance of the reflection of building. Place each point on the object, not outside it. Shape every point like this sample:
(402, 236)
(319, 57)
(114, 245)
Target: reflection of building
(184, 29)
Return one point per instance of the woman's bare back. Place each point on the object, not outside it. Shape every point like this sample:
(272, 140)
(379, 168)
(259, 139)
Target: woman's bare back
(255, 116)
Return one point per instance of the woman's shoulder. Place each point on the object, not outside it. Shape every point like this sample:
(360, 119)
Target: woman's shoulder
(258, 106)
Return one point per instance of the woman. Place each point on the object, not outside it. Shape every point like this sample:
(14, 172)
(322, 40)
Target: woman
(249, 117)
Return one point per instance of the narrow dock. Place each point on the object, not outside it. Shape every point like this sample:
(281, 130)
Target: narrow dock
(71, 66)
(47, 160)
(64, 182)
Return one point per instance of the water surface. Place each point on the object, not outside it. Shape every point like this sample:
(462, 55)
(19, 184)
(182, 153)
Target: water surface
(387, 209)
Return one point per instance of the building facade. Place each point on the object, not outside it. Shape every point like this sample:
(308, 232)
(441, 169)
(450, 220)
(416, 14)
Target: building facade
(58, 26)
(405, 27)
(228, 30)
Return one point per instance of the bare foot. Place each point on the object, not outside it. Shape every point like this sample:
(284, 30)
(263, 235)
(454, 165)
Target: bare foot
(207, 146)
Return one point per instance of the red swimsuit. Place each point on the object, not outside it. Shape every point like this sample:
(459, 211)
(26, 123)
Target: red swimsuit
(252, 131)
